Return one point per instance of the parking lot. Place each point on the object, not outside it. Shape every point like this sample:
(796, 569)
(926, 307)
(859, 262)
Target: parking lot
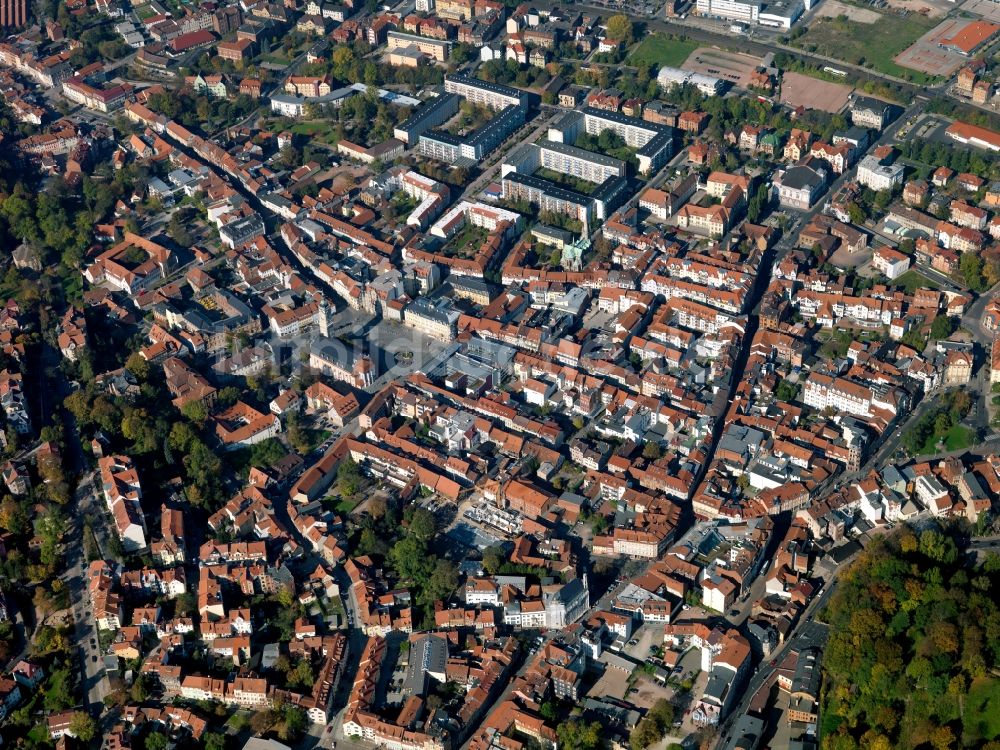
(930, 128)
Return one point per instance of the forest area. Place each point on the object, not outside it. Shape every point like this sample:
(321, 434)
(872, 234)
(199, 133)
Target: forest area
(914, 647)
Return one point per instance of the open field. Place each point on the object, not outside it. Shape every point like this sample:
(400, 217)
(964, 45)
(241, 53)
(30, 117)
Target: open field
(729, 66)
(834, 8)
(873, 45)
(798, 89)
(659, 49)
(930, 55)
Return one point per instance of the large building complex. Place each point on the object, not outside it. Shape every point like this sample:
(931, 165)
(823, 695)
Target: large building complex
(669, 77)
(453, 149)
(565, 159)
(654, 142)
(747, 11)
(608, 174)
(433, 48)
(431, 114)
(492, 95)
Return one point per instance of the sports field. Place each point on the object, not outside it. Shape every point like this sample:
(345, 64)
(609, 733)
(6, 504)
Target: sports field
(799, 90)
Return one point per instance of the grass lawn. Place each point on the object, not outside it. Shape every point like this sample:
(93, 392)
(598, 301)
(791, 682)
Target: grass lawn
(872, 45)
(321, 131)
(960, 437)
(144, 12)
(466, 243)
(345, 505)
(659, 49)
(982, 710)
(913, 280)
(276, 59)
(957, 438)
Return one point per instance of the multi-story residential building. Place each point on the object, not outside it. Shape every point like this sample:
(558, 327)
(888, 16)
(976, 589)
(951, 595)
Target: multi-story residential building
(333, 358)
(241, 426)
(964, 215)
(446, 147)
(890, 262)
(429, 115)
(103, 100)
(436, 49)
(496, 96)
(122, 495)
(548, 196)
(434, 317)
(655, 143)
(241, 231)
(576, 162)
(829, 392)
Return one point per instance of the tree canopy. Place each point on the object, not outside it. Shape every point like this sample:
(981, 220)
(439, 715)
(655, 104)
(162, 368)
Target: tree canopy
(914, 639)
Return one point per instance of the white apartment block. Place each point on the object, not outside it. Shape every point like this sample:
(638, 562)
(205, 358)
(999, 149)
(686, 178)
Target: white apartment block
(579, 163)
(493, 95)
(823, 392)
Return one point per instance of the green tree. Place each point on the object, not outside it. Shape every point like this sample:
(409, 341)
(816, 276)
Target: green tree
(620, 27)
(83, 727)
(494, 558)
(138, 366)
(302, 675)
(227, 396)
(942, 327)
(651, 450)
(971, 268)
(195, 411)
(141, 689)
(576, 734)
(59, 691)
(442, 583)
(348, 477)
(156, 741)
(214, 741)
(422, 525)
(293, 722)
(409, 559)
(856, 213)
(267, 453)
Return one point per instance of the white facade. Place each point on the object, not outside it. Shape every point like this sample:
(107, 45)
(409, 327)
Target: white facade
(288, 106)
(879, 176)
(747, 11)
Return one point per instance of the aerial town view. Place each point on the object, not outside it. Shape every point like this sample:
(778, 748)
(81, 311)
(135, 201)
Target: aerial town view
(500, 375)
